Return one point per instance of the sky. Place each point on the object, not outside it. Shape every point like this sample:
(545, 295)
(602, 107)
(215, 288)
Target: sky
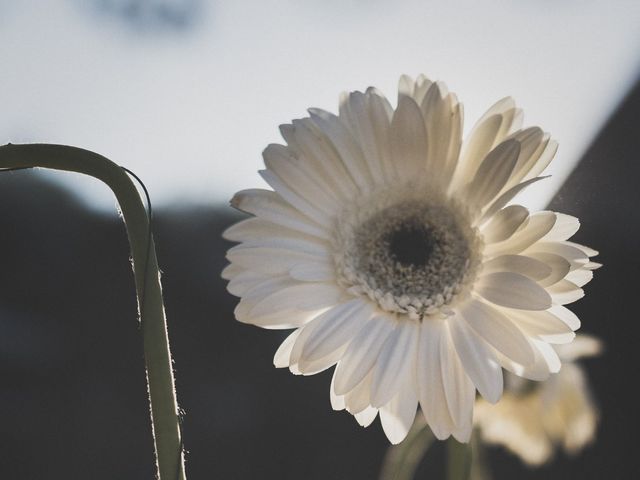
(187, 93)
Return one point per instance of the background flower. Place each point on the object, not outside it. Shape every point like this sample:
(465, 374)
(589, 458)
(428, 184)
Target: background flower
(532, 419)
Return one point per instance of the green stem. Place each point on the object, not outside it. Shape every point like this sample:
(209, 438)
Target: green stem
(160, 382)
(402, 460)
(458, 460)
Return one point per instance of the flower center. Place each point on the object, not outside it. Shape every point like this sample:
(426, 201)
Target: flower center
(411, 256)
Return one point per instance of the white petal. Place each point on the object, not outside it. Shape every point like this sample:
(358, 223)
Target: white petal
(245, 281)
(337, 401)
(282, 355)
(306, 366)
(231, 270)
(295, 200)
(493, 173)
(549, 354)
(566, 315)
(564, 292)
(366, 416)
(527, 266)
(459, 390)
(397, 416)
(396, 359)
(565, 227)
(270, 260)
(538, 226)
(318, 157)
(313, 272)
(590, 252)
(359, 398)
(258, 232)
(558, 265)
(479, 362)
(270, 206)
(343, 142)
(580, 277)
(544, 325)
(504, 223)
(576, 257)
(408, 140)
(362, 353)
(538, 370)
(506, 197)
(498, 331)
(356, 114)
(430, 386)
(513, 290)
(303, 296)
(335, 328)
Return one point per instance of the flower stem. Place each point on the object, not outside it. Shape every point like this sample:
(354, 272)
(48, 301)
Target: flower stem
(458, 460)
(164, 412)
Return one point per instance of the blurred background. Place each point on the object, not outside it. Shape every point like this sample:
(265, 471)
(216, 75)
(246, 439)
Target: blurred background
(187, 93)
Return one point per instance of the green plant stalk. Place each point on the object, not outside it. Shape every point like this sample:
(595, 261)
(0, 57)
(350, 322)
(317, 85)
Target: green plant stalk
(458, 460)
(160, 381)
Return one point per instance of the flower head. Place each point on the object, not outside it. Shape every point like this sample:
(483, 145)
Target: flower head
(391, 248)
(532, 418)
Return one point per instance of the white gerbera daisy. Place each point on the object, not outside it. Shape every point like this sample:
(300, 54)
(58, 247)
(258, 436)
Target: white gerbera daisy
(389, 246)
(533, 418)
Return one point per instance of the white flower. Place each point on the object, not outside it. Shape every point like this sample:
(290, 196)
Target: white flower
(531, 419)
(388, 246)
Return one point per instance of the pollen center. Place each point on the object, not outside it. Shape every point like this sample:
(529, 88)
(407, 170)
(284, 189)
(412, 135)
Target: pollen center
(411, 244)
(411, 256)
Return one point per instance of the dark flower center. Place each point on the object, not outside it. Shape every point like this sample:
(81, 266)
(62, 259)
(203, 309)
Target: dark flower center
(411, 244)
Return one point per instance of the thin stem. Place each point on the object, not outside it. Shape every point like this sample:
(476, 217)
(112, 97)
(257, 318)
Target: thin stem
(160, 382)
(402, 460)
(458, 460)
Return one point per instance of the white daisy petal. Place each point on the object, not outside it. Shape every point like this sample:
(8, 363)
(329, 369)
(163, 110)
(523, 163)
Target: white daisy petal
(538, 226)
(493, 173)
(270, 206)
(543, 324)
(504, 223)
(295, 200)
(318, 157)
(366, 416)
(347, 148)
(478, 360)
(565, 227)
(564, 292)
(334, 328)
(566, 315)
(231, 271)
(337, 401)
(304, 296)
(281, 161)
(283, 354)
(389, 245)
(270, 260)
(393, 364)
(506, 197)
(513, 290)
(362, 354)
(558, 265)
(408, 139)
(580, 277)
(313, 272)
(430, 385)
(359, 398)
(498, 331)
(397, 416)
(459, 390)
(527, 266)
